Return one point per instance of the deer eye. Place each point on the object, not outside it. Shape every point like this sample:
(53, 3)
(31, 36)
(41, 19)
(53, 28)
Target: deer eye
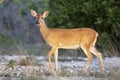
(41, 17)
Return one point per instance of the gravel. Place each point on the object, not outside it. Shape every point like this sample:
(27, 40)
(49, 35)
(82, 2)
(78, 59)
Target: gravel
(68, 68)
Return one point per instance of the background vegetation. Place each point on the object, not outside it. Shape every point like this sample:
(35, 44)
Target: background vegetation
(20, 35)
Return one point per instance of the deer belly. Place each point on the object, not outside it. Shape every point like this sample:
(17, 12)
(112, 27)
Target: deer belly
(69, 46)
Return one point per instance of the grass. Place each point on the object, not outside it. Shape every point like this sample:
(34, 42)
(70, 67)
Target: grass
(26, 62)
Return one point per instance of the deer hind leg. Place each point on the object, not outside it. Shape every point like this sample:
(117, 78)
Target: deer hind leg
(56, 58)
(49, 56)
(99, 55)
(96, 53)
(89, 56)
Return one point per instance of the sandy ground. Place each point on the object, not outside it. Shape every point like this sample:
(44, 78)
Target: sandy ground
(68, 69)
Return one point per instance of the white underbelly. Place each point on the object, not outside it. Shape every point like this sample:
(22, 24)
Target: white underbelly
(70, 47)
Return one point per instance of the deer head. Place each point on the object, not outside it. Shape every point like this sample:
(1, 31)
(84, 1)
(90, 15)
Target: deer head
(39, 17)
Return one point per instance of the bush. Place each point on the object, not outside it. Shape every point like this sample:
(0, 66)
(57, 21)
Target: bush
(101, 15)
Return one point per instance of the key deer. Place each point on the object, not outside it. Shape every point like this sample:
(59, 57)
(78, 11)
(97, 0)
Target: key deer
(84, 38)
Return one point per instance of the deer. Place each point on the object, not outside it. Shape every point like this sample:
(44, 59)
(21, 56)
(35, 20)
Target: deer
(57, 38)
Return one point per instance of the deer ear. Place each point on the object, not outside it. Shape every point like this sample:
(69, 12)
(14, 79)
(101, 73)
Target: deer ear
(45, 14)
(33, 12)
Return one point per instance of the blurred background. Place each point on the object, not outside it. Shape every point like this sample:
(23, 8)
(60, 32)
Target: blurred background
(20, 36)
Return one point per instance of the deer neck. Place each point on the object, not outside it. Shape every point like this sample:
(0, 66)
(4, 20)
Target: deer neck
(43, 29)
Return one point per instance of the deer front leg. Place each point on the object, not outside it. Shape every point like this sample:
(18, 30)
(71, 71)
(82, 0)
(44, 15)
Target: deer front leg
(49, 56)
(56, 58)
(89, 56)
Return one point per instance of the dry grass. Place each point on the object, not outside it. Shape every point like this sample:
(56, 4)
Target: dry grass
(27, 62)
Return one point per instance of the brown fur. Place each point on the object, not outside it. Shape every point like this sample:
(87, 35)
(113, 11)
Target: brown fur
(68, 39)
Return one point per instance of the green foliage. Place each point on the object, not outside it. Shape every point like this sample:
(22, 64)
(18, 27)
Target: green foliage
(11, 64)
(103, 39)
(38, 5)
(6, 44)
(17, 24)
(15, 1)
(5, 41)
(101, 15)
(1, 1)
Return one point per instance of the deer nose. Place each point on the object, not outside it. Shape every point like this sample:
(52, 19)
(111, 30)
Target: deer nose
(37, 22)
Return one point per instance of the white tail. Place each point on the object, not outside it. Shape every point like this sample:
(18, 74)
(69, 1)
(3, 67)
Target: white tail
(68, 39)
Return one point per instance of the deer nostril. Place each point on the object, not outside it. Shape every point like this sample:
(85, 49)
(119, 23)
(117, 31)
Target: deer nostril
(37, 22)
